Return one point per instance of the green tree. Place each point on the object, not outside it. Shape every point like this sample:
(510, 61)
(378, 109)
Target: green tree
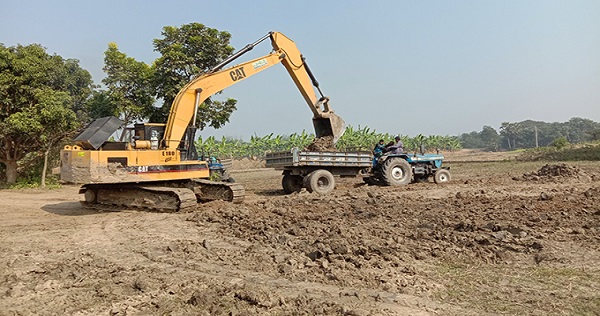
(53, 121)
(490, 138)
(560, 142)
(453, 143)
(594, 134)
(129, 84)
(40, 95)
(580, 129)
(511, 132)
(187, 52)
(523, 134)
(100, 105)
(471, 140)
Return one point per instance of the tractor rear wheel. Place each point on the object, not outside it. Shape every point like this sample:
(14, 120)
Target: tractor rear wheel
(396, 171)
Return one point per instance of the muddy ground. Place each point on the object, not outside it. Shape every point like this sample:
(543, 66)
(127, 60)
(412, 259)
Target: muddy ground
(500, 238)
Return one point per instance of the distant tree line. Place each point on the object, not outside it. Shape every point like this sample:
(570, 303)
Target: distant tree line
(531, 134)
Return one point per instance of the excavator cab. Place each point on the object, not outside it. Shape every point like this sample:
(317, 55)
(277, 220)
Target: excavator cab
(147, 135)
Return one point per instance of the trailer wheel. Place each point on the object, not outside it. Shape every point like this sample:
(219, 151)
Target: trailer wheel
(320, 181)
(441, 176)
(396, 171)
(291, 183)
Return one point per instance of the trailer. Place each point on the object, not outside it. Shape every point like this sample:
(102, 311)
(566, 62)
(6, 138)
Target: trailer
(316, 170)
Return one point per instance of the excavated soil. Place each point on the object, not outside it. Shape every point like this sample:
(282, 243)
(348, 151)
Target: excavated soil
(500, 238)
(324, 143)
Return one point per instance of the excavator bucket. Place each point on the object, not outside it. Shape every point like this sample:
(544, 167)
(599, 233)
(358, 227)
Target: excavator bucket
(330, 125)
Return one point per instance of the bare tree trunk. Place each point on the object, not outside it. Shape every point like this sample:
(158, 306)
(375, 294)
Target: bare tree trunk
(43, 182)
(11, 171)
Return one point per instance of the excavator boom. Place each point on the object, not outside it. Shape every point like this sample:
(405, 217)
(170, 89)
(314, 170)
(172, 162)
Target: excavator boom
(186, 103)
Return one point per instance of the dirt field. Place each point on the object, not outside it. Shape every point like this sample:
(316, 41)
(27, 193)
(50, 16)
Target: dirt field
(500, 238)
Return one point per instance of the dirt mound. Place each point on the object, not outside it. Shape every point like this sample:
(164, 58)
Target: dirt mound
(551, 171)
(324, 143)
(559, 170)
(247, 163)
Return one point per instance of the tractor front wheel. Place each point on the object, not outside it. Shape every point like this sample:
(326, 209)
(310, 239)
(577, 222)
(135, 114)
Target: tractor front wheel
(441, 176)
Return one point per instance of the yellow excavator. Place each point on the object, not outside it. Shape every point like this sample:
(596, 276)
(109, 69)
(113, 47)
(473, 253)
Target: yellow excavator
(158, 168)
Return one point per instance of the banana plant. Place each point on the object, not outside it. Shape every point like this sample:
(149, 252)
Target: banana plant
(360, 138)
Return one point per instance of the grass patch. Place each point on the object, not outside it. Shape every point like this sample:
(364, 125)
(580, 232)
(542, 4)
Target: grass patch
(513, 290)
(590, 152)
(28, 184)
(20, 186)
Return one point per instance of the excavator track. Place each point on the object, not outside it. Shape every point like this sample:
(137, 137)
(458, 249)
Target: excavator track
(160, 196)
(207, 190)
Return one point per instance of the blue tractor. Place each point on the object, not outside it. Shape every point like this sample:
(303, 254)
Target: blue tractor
(218, 172)
(405, 168)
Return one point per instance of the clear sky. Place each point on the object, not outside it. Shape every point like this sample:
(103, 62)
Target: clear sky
(408, 67)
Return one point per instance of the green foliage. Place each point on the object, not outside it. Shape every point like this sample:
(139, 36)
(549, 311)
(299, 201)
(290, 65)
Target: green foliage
(361, 139)
(523, 134)
(488, 139)
(515, 135)
(560, 142)
(187, 52)
(588, 152)
(32, 184)
(40, 98)
(129, 82)
(30, 175)
(133, 87)
(256, 147)
(215, 113)
(101, 105)
(32, 181)
(471, 140)
(595, 134)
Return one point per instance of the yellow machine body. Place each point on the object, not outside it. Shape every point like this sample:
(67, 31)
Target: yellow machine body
(116, 166)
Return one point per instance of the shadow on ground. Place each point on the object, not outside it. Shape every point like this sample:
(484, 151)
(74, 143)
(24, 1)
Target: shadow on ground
(68, 209)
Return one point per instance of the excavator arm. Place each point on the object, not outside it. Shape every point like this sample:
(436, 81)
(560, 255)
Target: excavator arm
(185, 106)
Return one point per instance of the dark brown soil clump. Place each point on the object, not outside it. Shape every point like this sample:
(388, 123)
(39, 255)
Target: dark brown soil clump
(324, 143)
(555, 171)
